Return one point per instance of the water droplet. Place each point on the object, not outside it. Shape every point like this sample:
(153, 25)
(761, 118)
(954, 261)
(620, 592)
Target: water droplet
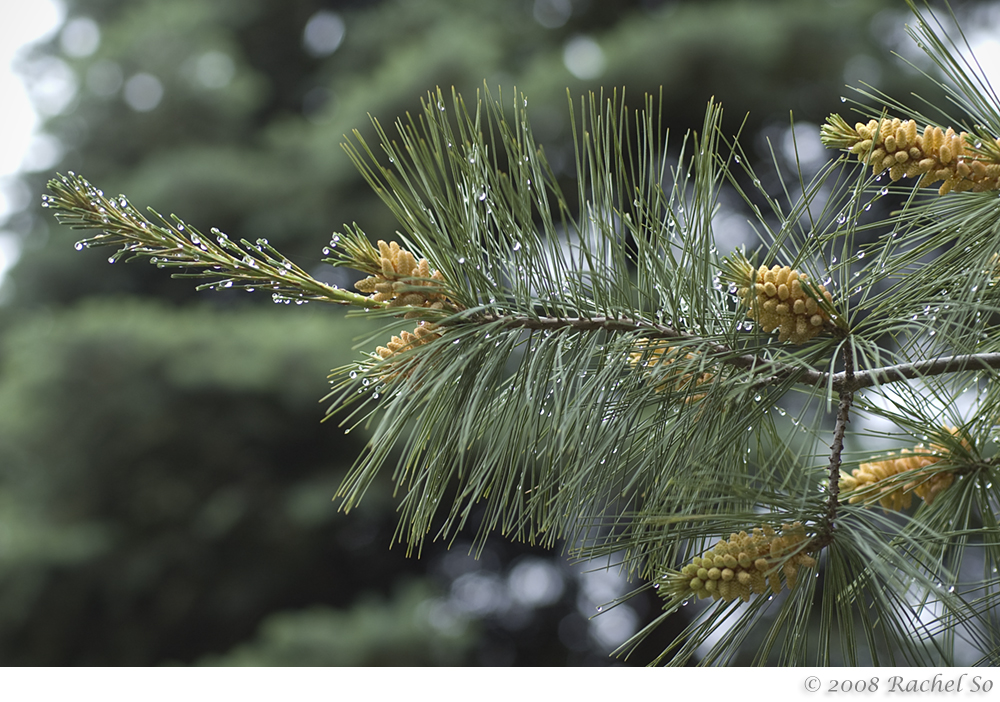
(736, 158)
(79, 246)
(462, 259)
(843, 99)
(600, 608)
(517, 246)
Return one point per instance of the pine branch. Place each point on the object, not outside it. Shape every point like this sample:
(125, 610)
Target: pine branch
(911, 371)
(571, 377)
(175, 244)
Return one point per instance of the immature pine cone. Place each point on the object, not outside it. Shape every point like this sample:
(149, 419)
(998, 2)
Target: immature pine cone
(894, 495)
(423, 334)
(743, 565)
(934, 154)
(781, 303)
(677, 381)
(403, 280)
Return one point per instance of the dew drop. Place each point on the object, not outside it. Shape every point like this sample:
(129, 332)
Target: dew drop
(78, 246)
(517, 246)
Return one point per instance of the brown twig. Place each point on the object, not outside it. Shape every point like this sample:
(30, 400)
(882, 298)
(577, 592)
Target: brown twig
(825, 535)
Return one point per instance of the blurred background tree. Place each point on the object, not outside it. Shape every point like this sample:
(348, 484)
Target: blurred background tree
(165, 481)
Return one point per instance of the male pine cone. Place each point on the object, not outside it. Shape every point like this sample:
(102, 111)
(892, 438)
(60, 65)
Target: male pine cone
(777, 300)
(649, 355)
(403, 281)
(876, 480)
(745, 564)
(933, 154)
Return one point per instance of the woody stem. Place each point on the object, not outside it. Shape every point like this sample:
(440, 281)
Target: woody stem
(825, 535)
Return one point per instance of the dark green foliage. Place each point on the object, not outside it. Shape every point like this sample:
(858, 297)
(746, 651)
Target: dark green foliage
(373, 633)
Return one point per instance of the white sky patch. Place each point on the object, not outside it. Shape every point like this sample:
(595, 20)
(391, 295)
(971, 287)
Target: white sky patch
(323, 33)
(987, 52)
(584, 58)
(143, 92)
(32, 21)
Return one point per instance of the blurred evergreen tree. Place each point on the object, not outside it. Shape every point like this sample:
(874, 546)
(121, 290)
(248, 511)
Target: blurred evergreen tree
(213, 514)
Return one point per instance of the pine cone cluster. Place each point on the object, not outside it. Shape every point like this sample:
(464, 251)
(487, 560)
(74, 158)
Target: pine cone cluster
(894, 494)
(403, 280)
(745, 564)
(648, 356)
(933, 154)
(779, 302)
